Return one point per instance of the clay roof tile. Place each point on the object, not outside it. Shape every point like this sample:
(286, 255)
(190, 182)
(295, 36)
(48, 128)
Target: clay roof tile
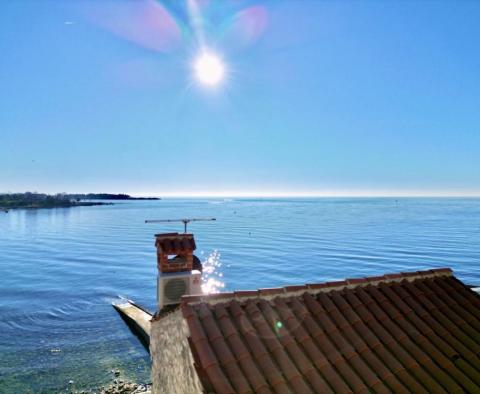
(416, 332)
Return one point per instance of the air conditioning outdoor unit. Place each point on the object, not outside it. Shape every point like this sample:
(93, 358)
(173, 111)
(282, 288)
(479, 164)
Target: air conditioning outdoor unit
(172, 286)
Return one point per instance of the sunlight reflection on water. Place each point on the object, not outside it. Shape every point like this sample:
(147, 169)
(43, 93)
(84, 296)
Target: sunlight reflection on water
(212, 276)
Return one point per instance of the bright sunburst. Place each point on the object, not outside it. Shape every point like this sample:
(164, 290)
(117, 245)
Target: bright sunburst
(209, 69)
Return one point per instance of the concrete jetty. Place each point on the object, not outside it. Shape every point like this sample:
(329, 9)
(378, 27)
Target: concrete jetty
(137, 318)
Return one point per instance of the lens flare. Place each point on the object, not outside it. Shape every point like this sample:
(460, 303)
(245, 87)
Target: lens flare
(144, 22)
(209, 69)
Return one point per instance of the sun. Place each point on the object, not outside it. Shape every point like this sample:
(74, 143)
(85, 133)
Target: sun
(209, 69)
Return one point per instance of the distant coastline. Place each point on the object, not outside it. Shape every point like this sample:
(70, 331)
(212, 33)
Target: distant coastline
(107, 196)
(30, 200)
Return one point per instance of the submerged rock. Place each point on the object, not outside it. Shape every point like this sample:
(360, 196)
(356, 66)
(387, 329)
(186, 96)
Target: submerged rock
(119, 385)
(126, 388)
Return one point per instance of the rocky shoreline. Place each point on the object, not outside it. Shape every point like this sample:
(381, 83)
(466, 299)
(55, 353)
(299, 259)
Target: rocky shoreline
(117, 386)
(121, 387)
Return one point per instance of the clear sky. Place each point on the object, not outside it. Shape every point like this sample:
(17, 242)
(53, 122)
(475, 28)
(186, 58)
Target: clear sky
(319, 97)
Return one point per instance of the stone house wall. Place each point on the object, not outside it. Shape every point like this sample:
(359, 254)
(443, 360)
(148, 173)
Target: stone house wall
(172, 360)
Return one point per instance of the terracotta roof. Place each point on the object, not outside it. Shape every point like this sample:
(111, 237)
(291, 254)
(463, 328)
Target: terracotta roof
(175, 242)
(411, 332)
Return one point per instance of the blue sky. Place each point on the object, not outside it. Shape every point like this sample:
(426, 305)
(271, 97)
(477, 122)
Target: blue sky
(321, 97)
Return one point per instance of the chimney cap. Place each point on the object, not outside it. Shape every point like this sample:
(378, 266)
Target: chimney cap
(173, 243)
(170, 235)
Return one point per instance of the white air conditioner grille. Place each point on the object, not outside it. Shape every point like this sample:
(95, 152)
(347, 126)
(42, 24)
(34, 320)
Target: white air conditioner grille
(175, 288)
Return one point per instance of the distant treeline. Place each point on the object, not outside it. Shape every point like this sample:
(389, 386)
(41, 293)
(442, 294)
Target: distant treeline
(38, 200)
(60, 200)
(108, 196)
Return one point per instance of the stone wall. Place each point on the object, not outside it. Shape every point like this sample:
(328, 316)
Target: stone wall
(172, 361)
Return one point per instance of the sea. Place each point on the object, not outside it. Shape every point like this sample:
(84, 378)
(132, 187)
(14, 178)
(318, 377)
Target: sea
(61, 269)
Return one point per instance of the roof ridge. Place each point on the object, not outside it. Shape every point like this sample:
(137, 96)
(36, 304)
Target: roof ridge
(288, 291)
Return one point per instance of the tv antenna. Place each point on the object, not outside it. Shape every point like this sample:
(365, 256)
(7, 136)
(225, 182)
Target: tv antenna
(184, 221)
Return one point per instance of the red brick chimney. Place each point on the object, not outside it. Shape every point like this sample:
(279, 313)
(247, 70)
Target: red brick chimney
(174, 252)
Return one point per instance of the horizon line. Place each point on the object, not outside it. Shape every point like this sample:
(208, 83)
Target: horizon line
(342, 194)
(280, 194)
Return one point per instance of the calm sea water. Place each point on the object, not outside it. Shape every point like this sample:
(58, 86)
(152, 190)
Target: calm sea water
(60, 269)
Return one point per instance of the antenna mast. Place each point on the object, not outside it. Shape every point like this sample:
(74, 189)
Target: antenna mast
(184, 221)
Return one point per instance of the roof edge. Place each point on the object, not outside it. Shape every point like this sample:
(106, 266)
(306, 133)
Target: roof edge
(314, 288)
(173, 235)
